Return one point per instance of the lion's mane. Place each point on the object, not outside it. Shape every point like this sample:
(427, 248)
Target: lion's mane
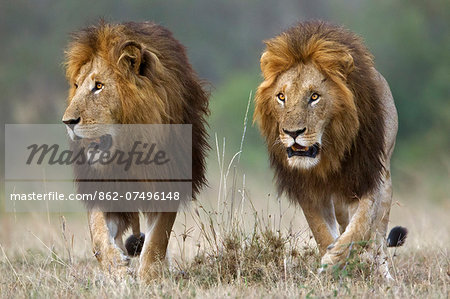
(353, 141)
(167, 90)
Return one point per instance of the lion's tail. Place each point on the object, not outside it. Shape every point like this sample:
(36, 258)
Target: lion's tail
(397, 236)
(134, 244)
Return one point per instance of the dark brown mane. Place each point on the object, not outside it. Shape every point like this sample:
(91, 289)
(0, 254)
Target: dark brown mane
(352, 164)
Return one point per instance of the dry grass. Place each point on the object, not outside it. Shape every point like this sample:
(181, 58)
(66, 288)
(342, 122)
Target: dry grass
(246, 251)
(237, 240)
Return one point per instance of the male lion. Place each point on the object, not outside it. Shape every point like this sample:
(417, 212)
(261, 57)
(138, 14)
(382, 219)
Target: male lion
(330, 124)
(133, 73)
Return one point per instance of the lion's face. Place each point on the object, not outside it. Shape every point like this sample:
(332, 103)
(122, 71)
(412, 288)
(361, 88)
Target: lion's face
(93, 100)
(304, 99)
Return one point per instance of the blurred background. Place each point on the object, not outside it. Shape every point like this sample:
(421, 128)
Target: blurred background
(409, 39)
(411, 44)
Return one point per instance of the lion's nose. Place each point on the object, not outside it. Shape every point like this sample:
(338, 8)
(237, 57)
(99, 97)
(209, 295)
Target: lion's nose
(71, 122)
(294, 134)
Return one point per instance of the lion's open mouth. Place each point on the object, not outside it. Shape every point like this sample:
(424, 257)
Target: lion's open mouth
(304, 151)
(102, 143)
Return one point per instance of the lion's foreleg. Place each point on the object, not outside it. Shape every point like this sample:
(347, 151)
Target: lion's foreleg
(155, 244)
(359, 229)
(104, 233)
(322, 222)
(369, 222)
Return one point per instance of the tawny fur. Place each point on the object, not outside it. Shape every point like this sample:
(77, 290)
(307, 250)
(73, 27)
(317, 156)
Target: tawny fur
(355, 137)
(350, 186)
(149, 81)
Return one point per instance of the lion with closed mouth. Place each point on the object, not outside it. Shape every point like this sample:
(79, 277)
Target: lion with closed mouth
(330, 125)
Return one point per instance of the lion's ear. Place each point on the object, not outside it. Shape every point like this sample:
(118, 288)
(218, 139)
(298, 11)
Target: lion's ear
(263, 63)
(130, 56)
(140, 61)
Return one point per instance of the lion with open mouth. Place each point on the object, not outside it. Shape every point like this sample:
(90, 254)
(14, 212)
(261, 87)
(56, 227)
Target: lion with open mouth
(129, 74)
(330, 124)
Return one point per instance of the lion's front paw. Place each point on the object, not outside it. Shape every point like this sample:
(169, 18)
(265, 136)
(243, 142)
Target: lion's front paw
(113, 260)
(333, 256)
(147, 274)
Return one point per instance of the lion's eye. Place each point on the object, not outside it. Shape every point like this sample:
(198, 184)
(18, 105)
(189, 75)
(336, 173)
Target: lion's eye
(314, 97)
(98, 86)
(76, 85)
(281, 97)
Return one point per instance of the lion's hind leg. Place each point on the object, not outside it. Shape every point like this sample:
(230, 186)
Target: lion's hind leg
(378, 246)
